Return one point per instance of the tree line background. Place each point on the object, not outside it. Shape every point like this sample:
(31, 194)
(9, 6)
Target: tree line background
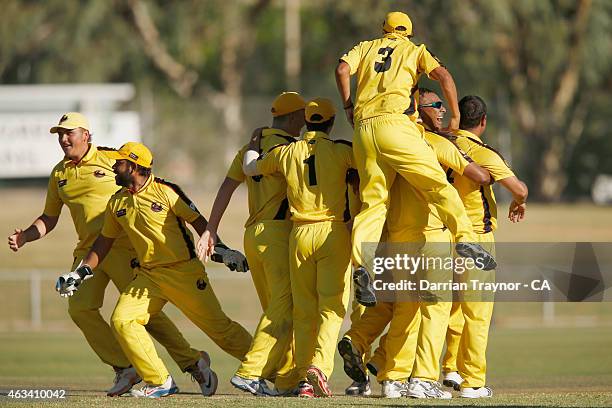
(206, 71)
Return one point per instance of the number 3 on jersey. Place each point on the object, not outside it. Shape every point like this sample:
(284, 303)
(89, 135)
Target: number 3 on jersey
(385, 63)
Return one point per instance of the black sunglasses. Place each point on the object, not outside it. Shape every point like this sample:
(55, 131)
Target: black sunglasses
(436, 105)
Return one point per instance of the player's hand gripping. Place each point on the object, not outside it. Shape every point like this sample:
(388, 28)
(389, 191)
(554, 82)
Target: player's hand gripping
(17, 240)
(206, 245)
(233, 259)
(516, 212)
(69, 282)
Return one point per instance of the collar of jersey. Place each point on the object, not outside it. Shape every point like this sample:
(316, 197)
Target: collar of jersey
(88, 156)
(315, 134)
(465, 133)
(274, 131)
(144, 186)
(395, 36)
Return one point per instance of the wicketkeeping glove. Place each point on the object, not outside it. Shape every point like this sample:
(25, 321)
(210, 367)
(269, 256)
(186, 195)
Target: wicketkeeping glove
(69, 283)
(233, 259)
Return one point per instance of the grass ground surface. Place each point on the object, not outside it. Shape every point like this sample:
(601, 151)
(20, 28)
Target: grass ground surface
(534, 360)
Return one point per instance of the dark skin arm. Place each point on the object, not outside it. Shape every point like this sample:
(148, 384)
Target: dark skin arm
(447, 83)
(519, 192)
(41, 226)
(477, 174)
(343, 82)
(98, 251)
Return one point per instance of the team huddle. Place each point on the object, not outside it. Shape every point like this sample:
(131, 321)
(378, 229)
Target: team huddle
(316, 204)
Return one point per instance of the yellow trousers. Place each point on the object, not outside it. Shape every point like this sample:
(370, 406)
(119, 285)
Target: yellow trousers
(320, 284)
(453, 337)
(415, 339)
(185, 285)
(266, 247)
(84, 309)
(385, 146)
(357, 310)
(471, 359)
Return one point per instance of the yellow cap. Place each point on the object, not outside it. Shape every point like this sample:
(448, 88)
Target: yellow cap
(320, 110)
(134, 152)
(287, 102)
(396, 19)
(71, 120)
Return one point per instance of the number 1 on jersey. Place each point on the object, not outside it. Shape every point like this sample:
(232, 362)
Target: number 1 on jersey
(312, 171)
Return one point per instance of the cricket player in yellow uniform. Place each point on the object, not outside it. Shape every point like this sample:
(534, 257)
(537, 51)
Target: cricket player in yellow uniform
(83, 181)
(266, 245)
(316, 171)
(481, 207)
(415, 335)
(152, 213)
(387, 142)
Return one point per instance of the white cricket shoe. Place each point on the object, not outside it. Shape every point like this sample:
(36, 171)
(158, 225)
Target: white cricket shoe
(125, 379)
(157, 391)
(480, 392)
(452, 379)
(394, 389)
(258, 387)
(204, 375)
(427, 389)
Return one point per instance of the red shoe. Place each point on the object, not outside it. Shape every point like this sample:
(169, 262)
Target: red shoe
(318, 381)
(305, 390)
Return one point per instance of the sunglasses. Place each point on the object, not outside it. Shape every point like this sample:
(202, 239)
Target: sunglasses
(436, 105)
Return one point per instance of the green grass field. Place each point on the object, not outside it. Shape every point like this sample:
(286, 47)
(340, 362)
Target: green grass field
(532, 361)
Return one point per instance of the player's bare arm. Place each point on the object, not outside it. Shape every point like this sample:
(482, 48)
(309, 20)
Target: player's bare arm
(207, 241)
(343, 81)
(519, 192)
(447, 83)
(477, 174)
(39, 228)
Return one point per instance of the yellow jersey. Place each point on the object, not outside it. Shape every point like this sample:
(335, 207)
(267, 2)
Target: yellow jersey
(316, 170)
(388, 70)
(154, 220)
(267, 195)
(479, 201)
(409, 213)
(85, 188)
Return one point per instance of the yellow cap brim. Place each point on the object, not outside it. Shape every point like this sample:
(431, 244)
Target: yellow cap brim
(54, 129)
(114, 154)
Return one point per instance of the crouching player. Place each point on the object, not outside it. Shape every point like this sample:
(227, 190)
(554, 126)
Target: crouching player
(319, 245)
(152, 212)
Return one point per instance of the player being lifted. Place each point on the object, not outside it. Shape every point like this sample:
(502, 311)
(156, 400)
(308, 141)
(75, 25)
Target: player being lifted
(413, 344)
(386, 142)
(316, 171)
(84, 181)
(152, 213)
(266, 245)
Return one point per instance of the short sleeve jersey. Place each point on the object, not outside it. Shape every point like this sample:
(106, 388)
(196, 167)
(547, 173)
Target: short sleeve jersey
(154, 220)
(409, 213)
(479, 201)
(267, 195)
(316, 172)
(85, 188)
(388, 70)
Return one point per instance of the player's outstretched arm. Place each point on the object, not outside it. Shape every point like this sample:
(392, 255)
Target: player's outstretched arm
(39, 228)
(519, 192)
(447, 83)
(343, 81)
(477, 174)
(206, 244)
(70, 282)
